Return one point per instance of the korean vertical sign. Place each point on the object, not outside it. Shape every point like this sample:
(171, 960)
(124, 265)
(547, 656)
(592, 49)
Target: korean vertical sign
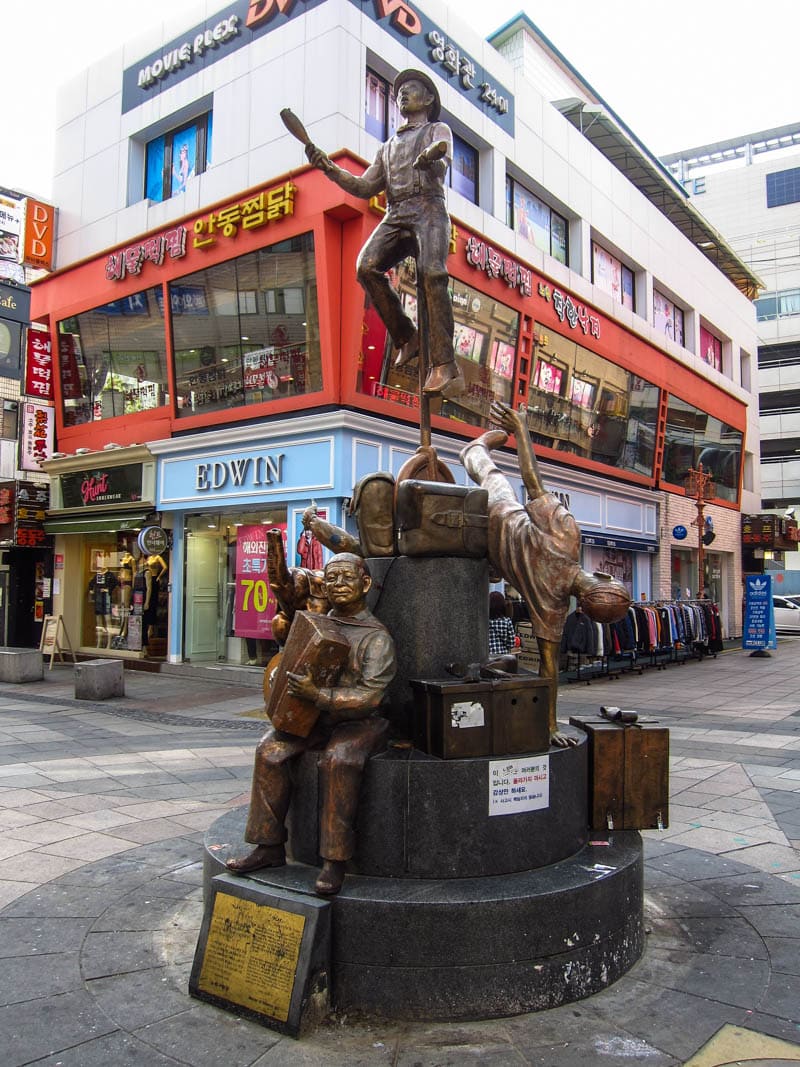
(254, 604)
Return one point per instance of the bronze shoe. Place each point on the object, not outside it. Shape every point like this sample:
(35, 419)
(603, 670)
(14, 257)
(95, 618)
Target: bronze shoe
(409, 351)
(261, 856)
(330, 877)
(445, 380)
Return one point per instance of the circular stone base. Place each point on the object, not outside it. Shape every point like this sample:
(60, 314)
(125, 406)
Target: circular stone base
(472, 948)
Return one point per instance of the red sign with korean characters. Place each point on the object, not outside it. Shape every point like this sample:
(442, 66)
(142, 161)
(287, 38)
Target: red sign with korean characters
(254, 604)
(39, 365)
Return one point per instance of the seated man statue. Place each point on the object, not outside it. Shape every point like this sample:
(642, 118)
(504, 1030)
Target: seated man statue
(349, 730)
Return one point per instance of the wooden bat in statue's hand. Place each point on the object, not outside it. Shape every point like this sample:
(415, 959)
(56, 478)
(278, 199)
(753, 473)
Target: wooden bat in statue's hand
(298, 130)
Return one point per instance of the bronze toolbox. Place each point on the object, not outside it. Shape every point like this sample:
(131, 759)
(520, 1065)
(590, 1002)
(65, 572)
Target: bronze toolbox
(457, 719)
(628, 773)
(437, 519)
(315, 644)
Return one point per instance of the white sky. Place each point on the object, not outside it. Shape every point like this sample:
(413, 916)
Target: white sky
(679, 75)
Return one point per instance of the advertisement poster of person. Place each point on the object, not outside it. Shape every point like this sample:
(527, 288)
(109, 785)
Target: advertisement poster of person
(254, 603)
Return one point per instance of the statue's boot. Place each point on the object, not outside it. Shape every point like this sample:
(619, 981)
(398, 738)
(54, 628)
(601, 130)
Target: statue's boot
(408, 351)
(331, 877)
(445, 380)
(261, 856)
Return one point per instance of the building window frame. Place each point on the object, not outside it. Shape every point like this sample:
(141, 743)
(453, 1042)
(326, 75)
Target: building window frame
(614, 277)
(164, 172)
(783, 187)
(536, 221)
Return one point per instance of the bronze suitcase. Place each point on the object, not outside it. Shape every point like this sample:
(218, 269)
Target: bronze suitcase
(492, 717)
(437, 519)
(453, 719)
(316, 644)
(628, 773)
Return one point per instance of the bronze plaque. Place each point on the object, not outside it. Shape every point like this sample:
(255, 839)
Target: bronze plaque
(251, 955)
(263, 951)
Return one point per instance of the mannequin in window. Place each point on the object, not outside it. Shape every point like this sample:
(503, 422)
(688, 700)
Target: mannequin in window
(101, 588)
(127, 566)
(152, 569)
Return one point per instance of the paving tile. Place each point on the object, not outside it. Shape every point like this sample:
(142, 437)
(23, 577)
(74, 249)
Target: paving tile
(776, 920)
(204, 1036)
(29, 977)
(70, 1016)
(37, 867)
(773, 858)
(110, 1050)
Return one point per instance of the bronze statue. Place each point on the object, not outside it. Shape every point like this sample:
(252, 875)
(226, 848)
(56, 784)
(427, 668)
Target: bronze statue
(410, 168)
(348, 731)
(536, 548)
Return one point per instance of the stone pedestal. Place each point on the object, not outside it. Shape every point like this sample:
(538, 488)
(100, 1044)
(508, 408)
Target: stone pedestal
(470, 947)
(99, 679)
(21, 665)
(455, 907)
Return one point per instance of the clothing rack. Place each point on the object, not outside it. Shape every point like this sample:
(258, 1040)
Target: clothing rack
(652, 634)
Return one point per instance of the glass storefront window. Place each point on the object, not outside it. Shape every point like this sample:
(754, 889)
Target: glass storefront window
(247, 331)
(485, 341)
(612, 276)
(126, 593)
(581, 403)
(112, 359)
(228, 602)
(694, 437)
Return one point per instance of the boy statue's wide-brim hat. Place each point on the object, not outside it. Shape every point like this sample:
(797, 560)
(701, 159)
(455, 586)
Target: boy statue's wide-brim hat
(419, 75)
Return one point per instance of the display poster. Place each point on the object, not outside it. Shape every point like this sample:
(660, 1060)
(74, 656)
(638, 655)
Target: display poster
(759, 613)
(517, 785)
(254, 604)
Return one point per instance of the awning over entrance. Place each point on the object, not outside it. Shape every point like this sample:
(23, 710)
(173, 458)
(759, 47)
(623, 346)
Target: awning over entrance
(97, 524)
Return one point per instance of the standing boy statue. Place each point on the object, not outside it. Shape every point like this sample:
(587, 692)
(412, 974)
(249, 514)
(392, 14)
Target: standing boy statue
(348, 731)
(410, 168)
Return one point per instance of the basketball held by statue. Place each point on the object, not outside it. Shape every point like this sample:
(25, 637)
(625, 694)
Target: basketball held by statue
(601, 597)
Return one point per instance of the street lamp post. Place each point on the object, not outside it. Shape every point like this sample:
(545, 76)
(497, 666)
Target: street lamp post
(700, 485)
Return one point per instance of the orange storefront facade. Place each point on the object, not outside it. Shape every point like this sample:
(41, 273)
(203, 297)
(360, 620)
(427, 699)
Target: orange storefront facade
(246, 320)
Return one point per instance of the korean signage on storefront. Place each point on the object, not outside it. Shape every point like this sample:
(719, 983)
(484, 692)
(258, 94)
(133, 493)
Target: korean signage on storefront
(39, 365)
(255, 604)
(27, 234)
(110, 485)
(23, 506)
(242, 22)
(37, 427)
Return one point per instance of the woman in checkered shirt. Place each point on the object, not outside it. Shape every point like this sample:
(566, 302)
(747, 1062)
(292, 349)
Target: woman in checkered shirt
(502, 635)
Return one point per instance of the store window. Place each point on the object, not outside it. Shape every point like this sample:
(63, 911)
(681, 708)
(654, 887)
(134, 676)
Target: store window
(125, 595)
(710, 349)
(463, 174)
(381, 114)
(581, 403)
(694, 437)
(612, 276)
(228, 602)
(485, 341)
(112, 359)
(173, 158)
(667, 317)
(531, 218)
(247, 331)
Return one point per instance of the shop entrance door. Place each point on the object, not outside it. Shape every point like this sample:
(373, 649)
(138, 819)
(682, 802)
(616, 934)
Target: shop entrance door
(203, 608)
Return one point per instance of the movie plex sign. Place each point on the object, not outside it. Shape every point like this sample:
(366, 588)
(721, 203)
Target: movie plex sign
(111, 485)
